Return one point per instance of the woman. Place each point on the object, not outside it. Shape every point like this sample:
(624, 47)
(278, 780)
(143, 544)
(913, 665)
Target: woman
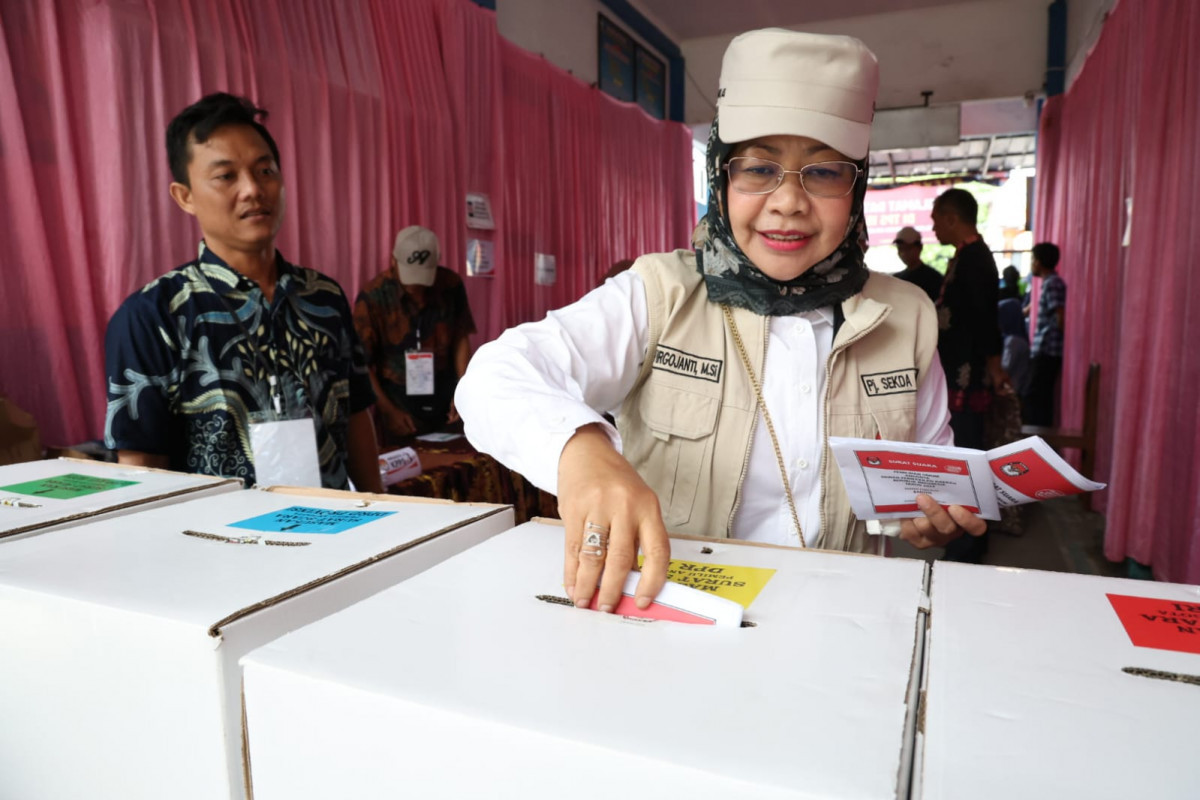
(1015, 356)
(773, 317)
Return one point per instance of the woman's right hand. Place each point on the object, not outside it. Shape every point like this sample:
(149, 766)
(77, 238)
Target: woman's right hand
(601, 497)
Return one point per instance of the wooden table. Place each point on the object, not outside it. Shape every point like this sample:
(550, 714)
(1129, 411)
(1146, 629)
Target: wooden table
(456, 471)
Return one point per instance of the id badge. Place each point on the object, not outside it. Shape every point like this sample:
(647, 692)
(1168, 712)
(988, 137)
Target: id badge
(285, 450)
(418, 372)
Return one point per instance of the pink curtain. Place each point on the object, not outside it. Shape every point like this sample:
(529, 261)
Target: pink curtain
(1130, 128)
(386, 114)
(590, 166)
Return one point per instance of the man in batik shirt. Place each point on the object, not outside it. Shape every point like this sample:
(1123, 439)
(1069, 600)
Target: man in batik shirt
(239, 330)
(415, 323)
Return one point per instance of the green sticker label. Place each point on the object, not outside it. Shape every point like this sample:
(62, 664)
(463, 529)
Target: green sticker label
(66, 487)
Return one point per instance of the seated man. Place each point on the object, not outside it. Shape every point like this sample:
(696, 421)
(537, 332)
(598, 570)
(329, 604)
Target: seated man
(237, 337)
(415, 323)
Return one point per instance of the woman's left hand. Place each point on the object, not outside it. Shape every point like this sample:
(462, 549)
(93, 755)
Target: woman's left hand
(940, 525)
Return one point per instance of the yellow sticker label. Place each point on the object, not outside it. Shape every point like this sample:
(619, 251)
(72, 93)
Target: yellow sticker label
(739, 584)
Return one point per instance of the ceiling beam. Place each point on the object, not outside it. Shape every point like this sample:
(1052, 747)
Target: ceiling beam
(987, 159)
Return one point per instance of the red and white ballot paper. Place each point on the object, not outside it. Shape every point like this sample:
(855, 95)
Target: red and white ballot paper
(884, 478)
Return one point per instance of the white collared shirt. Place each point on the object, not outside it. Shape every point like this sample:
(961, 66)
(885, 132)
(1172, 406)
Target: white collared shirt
(526, 393)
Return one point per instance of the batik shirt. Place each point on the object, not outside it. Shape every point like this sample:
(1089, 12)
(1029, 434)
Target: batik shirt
(392, 319)
(1048, 338)
(184, 373)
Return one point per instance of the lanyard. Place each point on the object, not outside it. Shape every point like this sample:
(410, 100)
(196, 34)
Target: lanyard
(416, 311)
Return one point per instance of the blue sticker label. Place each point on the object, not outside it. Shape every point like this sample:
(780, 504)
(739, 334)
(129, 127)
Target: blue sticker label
(302, 519)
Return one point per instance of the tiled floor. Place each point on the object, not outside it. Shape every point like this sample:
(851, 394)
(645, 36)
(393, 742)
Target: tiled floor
(1059, 536)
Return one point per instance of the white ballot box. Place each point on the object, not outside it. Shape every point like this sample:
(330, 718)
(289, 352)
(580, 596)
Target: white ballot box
(119, 639)
(461, 682)
(40, 496)
(1050, 685)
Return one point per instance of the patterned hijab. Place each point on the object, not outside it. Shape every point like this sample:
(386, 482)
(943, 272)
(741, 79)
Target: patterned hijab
(733, 278)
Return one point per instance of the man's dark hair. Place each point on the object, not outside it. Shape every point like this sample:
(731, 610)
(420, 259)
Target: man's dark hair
(961, 203)
(1011, 285)
(1047, 254)
(198, 121)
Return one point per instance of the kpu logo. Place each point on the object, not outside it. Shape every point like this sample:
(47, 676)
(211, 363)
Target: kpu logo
(419, 257)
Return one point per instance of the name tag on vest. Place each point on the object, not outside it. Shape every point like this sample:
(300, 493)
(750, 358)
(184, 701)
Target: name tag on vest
(901, 381)
(668, 359)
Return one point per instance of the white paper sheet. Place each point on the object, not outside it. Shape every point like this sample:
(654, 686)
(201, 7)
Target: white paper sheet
(883, 478)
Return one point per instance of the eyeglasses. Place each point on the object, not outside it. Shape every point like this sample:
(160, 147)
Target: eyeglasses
(823, 179)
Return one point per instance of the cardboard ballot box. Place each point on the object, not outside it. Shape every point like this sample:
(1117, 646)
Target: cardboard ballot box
(1048, 685)
(461, 682)
(40, 496)
(119, 640)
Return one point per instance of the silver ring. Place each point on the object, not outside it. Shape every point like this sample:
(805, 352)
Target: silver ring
(595, 540)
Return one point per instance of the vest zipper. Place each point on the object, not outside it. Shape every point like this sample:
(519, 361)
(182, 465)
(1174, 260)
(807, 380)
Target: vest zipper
(833, 353)
(737, 498)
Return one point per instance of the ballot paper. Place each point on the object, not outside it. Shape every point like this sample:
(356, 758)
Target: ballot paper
(677, 603)
(884, 478)
(439, 436)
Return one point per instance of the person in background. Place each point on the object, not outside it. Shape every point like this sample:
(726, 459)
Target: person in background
(1014, 359)
(415, 323)
(1010, 315)
(1047, 350)
(1010, 285)
(238, 336)
(1002, 425)
(726, 361)
(908, 247)
(969, 342)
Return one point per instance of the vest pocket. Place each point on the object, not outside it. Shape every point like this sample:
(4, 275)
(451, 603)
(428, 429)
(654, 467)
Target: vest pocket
(682, 423)
(894, 418)
(897, 425)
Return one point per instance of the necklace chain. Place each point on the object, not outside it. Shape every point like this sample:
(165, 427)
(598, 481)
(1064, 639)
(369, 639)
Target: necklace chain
(762, 405)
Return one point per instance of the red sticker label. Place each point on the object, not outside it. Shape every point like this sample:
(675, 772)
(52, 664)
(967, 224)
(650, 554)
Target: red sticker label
(885, 459)
(627, 607)
(1160, 624)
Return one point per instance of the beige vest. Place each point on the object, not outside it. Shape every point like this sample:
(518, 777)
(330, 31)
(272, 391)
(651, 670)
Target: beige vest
(689, 421)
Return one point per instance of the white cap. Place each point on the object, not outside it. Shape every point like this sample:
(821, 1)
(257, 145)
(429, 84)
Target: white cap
(417, 254)
(775, 81)
(907, 235)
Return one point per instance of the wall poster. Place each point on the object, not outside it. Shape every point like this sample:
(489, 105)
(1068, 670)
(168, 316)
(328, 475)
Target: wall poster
(616, 68)
(651, 83)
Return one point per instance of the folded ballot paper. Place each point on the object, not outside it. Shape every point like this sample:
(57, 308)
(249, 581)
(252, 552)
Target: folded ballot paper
(677, 603)
(884, 478)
